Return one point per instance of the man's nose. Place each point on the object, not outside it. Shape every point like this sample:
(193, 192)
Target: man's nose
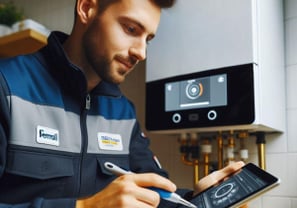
(138, 50)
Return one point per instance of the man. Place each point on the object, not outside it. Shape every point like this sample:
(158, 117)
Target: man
(63, 116)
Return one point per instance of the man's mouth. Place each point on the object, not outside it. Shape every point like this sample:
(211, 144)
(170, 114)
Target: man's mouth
(129, 63)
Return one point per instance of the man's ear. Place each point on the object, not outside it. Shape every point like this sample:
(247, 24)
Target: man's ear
(86, 9)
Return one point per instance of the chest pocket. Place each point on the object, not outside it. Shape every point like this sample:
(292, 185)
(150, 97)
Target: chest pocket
(38, 165)
(119, 160)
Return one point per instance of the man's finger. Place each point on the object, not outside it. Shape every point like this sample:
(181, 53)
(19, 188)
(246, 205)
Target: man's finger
(217, 176)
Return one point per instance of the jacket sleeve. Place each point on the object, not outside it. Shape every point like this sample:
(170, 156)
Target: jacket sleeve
(141, 157)
(142, 160)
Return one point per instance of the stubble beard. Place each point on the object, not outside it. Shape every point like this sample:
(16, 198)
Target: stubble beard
(101, 65)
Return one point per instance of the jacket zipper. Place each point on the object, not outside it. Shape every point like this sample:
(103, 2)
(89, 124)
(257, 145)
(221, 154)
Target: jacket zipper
(88, 102)
(84, 137)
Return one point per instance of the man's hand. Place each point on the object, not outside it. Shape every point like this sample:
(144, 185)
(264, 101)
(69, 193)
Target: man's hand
(129, 191)
(217, 176)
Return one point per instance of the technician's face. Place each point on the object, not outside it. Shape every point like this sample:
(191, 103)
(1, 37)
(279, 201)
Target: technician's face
(116, 40)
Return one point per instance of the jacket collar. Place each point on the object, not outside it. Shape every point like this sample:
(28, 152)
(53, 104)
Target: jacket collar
(70, 76)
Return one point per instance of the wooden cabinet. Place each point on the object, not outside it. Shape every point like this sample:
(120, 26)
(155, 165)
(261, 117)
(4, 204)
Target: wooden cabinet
(22, 42)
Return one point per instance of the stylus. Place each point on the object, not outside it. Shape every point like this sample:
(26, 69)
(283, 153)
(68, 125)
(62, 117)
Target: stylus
(173, 197)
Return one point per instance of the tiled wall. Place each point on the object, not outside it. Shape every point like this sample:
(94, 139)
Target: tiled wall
(281, 149)
(290, 157)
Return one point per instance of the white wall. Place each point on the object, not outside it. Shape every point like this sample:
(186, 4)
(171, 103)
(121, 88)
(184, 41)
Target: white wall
(281, 149)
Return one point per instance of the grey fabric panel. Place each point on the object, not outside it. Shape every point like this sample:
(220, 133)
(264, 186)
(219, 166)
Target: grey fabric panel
(117, 127)
(26, 118)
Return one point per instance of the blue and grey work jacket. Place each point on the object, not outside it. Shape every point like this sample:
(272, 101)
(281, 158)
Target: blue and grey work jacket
(55, 137)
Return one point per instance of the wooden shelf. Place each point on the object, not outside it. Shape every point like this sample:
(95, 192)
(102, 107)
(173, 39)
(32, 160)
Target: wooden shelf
(26, 41)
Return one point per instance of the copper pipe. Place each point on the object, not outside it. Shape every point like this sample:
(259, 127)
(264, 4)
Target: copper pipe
(261, 155)
(196, 171)
(195, 156)
(186, 161)
(206, 164)
(261, 149)
(195, 164)
(187, 149)
(230, 148)
(220, 150)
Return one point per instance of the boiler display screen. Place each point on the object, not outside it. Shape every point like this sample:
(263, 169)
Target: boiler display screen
(196, 93)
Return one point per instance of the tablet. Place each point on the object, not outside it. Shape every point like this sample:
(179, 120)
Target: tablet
(246, 184)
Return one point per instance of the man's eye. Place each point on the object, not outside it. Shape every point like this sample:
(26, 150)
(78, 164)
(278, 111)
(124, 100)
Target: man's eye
(131, 29)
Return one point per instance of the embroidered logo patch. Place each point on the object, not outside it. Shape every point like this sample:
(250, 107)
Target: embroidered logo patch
(45, 135)
(109, 141)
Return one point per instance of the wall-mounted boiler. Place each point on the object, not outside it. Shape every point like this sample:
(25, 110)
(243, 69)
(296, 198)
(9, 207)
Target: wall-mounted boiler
(217, 65)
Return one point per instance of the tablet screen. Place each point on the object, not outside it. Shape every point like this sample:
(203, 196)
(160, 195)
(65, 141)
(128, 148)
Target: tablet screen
(245, 184)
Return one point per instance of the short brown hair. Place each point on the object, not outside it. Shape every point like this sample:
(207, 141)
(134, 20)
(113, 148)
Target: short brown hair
(103, 4)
